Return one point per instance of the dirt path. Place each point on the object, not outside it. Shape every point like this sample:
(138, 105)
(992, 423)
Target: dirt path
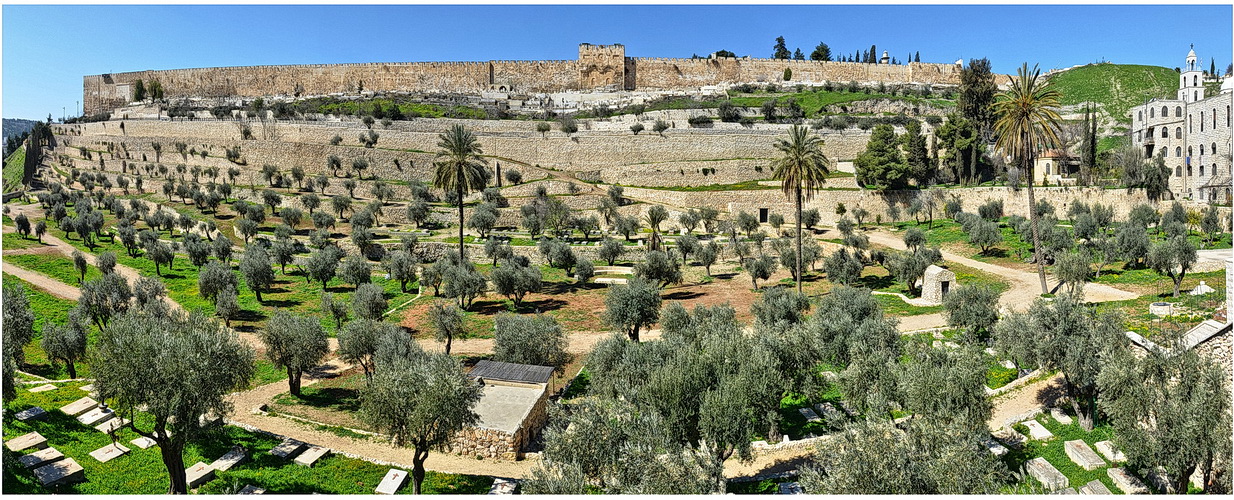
(1023, 399)
(1025, 286)
(46, 283)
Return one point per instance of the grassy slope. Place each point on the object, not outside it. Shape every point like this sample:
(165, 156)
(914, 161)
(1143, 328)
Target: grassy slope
(1116, 87)
(14, 169)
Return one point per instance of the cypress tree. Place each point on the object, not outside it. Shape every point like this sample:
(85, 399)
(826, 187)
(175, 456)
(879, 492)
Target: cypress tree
(873, 54)
(918, 58)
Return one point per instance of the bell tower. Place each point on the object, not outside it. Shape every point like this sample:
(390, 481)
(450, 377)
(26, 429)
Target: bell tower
(1191, 80)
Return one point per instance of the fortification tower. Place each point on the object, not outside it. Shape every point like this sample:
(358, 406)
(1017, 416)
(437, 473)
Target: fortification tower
(602, 66)
(1191, 83)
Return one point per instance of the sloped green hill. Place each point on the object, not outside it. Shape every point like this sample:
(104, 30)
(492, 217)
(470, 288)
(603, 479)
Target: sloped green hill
(1116, 87)
(14, 170)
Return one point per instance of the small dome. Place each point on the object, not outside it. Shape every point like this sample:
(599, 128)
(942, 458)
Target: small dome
(1191, 55)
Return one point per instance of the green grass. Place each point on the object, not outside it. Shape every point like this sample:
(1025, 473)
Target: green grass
(1116, 88)
(813, 102)
(763, 487)
(895, 306)
(14, 241)
(1112, 142)
(1053, 451)
(56, 266)
(14, 170)
(46, 308)
(142, 471)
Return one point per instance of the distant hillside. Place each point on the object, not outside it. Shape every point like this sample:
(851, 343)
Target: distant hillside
(15, 126)
(1116, 87)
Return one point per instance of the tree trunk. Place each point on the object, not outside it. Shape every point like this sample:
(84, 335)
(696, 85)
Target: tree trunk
(799, 276)
(293, 381)
(1032, 213)
(173, 459)
(1180, 482)
(634, 334)
(72, 369)
(449, 341)
(460, 213)
(417, 468)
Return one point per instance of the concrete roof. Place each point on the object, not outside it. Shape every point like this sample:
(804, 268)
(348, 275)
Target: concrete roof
(504, 407)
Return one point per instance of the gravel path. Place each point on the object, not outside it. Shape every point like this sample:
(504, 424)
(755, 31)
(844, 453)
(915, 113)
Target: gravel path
(51, 285)
(1023, 399)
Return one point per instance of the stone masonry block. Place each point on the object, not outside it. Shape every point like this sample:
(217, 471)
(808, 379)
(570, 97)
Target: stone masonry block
(1046, 474)
(1126, 482)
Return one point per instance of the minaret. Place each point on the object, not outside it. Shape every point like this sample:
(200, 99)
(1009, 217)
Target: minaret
(1191, 81)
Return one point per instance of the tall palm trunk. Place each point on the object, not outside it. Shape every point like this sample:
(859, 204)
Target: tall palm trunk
(460, 213)
(799, 276)
(1032, 213)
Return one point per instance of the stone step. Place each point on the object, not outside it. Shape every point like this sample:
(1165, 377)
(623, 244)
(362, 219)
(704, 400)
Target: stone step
(198, 474)
(60, 472)
(40, 458)
(80, 406)
(26, 441)
(1107, 450)
(32, 413)
(1095, 487)
(1079, 452)
(311, 455)
(1126, 482)
(393, 480)
(1046, 474)
(106, 453)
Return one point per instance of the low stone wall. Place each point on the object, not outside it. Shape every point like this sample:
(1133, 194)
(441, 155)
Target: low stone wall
(493, 443)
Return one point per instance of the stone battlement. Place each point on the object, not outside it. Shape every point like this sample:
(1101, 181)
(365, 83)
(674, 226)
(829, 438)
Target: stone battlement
(597, 66)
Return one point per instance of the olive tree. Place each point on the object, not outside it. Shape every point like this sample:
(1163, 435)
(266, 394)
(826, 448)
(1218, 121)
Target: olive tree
(355, 270)
(295, 343)
(65, 343)
(358, 341)
(972, 308)
(18, 331)
(611, 250)
(402, 268)
(515, 279)
(200, 363)
(529, 340)
(632, 306)
(369, 301)
(447, 321)
(255, 265)
(1173, 257)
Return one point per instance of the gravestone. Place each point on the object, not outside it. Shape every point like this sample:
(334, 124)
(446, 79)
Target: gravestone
(1197, 479)
(87, 387)
(997, 449)
(791, 488)
(233, 458)
(393, 480)
(1046, 474)
(80, 406)
(829, 412)
(252, 490)
(96, 416)
(1095, 487)
(32, 413)
(1067, 491)
(143, 442)
(1160, 480)
(106, 453)
(43, 388)
(1037, 431)
(287, 448)
(112, 425)
(198, 474)
(61, 472)
(809, 415)
(1010, 437)
(1061, 417)
(848, 409)
(1126, 482)
(502, 486)
(1079, 452)
(26, 441)
(310, 456)
(40, 458)
(1107, 450)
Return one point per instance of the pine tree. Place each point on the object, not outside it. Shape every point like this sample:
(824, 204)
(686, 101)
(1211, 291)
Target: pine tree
(918, 58)
(798, 55)
(781, 50)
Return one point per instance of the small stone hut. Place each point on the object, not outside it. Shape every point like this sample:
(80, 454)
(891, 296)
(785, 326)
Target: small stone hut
(936, 284)
(512, 410)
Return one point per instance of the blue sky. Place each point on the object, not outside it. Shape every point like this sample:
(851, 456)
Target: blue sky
(47, 49)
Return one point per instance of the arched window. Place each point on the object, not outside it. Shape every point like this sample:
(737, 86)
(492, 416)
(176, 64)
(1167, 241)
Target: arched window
(1178, 132)
(1201, 150)
(1201, 123)
(1165, 133)
(1214, 148)
(1178, 151)
(1195, 95)
(1188, 170)
(1165, 111)
(1214, 118)
(1178, 171)
(1195, 80)
(1178, 111)
(1190, 125)
(1047, 168)
(1227, 115)
(1201, 170)
(1137, 136)
(1139, 116)
(1150, 112)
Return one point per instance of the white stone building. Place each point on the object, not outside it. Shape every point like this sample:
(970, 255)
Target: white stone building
(1193, 133)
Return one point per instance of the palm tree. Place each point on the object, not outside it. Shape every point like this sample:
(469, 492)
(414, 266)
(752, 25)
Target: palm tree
(459, 167)
(1027, 122)
(801, 171)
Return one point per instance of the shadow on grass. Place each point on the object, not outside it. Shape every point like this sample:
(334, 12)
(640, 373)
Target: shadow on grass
(876, 282)
(683, 295)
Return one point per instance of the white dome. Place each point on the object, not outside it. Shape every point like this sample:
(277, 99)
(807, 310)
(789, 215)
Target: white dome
(1191, 55)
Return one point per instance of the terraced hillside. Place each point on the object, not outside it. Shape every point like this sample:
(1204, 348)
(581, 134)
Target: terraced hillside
(1116, 87)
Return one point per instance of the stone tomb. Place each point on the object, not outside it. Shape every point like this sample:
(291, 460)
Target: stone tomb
(311, 455)
(96, 416)
(43, 388)
(143, 442)
(829, 412)
(87, 388)
(233, 458)
(26, 441)
(80, 406)
(1061, 417)
(33, 413)
(936, 284)
(252, 490)
(40, 458)
(1037, 431)
(1046, 474)
(61, 472)
(198, 474)
(1095, 487)
(1126, 482)
(111, 425)
(809, 415)
(108, 452)
(1010, 437)
(287, 448)
(1160, 480)
(393, 480)
(997, 449)
(502, 486)
(1107, 450)
(1083, 456)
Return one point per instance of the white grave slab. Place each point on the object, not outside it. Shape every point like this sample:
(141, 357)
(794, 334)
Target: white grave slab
(87, 387)
(1126, 482)
(311, 455)
(809, 415)
(997, 449)
(108, 452)
(1079, 452)
(80, 406)
(60, 472)
(1037, 431)
(43, 388)
(1107, 450)
(26, 441)
(252, 490)
(198, 474)
(32, 413)
(393, 480)
(502, 486)
(233, 458)
(40, 458)
(111, 425)
(287, 448)
(1010, 437)
(96, 416)
(1061, 417)
(143, 442)
(1095, 487)
(1046, 474)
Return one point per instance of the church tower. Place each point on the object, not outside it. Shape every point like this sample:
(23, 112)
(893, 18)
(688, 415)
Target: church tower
(1191, 81)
